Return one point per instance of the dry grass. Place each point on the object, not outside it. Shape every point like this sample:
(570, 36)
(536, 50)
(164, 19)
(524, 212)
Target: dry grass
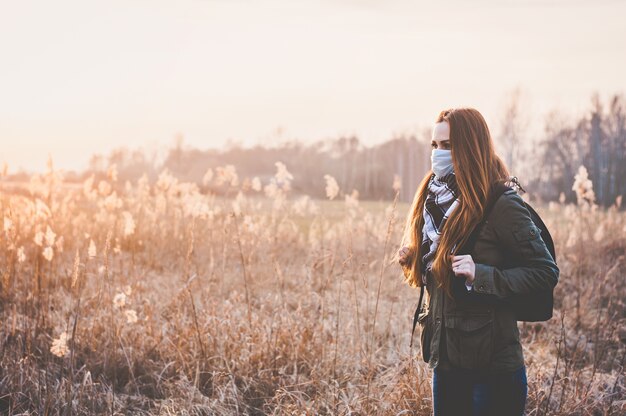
(262, 304)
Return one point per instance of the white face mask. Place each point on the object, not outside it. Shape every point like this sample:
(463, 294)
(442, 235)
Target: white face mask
(441, 160)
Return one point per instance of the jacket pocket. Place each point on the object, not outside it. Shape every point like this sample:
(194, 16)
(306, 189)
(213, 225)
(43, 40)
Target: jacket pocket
(469, 340)
(528, 237)
(425, 335)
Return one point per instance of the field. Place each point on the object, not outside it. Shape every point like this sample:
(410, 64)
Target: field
(157, 298)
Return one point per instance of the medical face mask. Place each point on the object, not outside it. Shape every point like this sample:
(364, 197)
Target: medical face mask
(441, 160)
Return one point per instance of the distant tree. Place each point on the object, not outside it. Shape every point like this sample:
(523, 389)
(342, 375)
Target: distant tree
(511, 137)
(607, 149)
(616, 142)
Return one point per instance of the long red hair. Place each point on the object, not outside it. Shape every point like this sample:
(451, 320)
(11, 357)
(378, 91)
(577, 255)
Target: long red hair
(477, 167)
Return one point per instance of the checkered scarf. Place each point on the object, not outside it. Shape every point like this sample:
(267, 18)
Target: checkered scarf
(442, 199)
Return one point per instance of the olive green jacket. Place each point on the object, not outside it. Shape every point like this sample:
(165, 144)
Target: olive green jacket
(477, 329)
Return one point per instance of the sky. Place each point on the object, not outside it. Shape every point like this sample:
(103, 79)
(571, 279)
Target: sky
(84, 77)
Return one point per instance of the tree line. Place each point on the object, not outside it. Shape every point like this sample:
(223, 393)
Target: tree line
(545, 165)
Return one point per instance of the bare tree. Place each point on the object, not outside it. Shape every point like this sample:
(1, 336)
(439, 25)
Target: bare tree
(607, 148)
(511, 137)
(616, 134)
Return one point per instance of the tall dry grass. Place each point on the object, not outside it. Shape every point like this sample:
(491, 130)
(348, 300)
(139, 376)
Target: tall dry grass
(154, 298)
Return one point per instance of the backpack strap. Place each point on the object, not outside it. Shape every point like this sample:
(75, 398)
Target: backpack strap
(417, 313)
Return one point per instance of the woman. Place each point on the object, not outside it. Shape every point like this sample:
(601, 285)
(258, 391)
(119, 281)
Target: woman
(469, 334)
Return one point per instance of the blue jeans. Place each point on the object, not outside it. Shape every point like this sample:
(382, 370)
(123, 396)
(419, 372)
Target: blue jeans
(478, 393)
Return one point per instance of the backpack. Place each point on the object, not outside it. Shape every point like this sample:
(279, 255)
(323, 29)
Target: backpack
(533, 307)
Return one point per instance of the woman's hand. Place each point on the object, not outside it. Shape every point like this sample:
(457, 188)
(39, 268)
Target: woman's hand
(403, 255)
(464, 266)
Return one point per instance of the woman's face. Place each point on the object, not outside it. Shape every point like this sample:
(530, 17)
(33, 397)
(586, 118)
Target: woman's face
(441, 136)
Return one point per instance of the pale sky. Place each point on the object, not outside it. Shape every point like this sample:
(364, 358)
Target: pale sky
(79, 77)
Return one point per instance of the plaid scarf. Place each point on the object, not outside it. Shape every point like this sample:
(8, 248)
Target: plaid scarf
(442, 199)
